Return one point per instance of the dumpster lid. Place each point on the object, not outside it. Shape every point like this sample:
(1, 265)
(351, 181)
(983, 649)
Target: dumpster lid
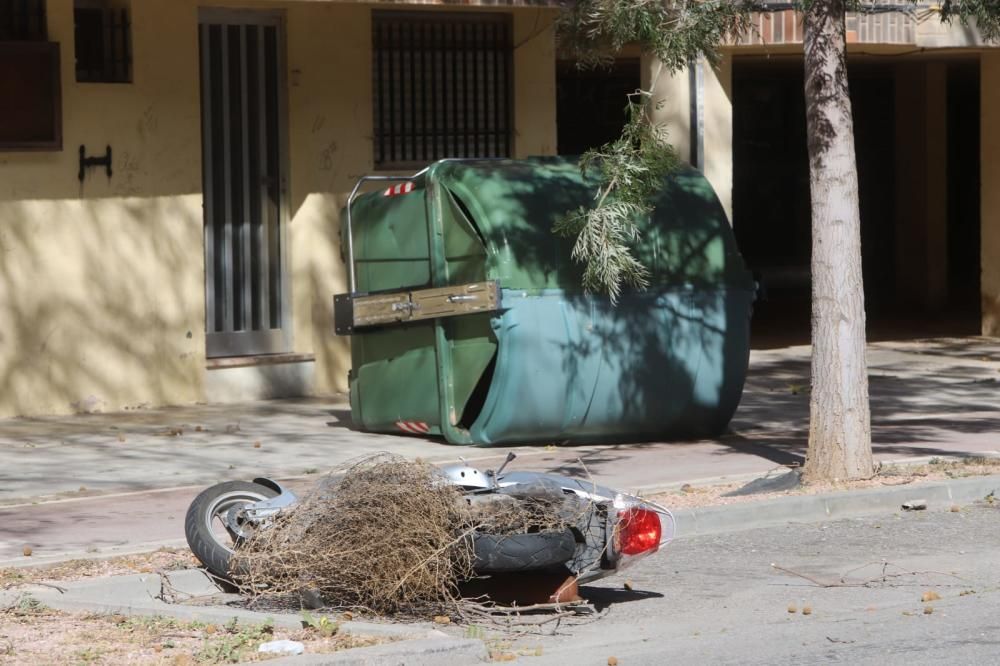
(515, 203)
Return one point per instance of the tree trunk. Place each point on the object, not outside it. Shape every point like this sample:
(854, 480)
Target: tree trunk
(840, 423)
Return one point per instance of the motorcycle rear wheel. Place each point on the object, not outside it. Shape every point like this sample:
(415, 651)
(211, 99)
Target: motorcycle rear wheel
(204, 524)
(522, 552)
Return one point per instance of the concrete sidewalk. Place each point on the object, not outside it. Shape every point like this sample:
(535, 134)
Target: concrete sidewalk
(63, 477)
(934, 397)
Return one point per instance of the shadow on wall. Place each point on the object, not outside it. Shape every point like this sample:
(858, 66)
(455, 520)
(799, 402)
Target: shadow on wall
(102, 300)
(100, 304)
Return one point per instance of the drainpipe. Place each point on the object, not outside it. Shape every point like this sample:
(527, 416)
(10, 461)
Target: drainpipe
(696, 81)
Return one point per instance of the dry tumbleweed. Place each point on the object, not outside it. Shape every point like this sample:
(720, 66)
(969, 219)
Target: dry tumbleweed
(388, 535)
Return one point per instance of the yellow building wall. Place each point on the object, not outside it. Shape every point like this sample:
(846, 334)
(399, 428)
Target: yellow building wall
(101, 284)
(672, 109)
(102, 301)
(989, 73)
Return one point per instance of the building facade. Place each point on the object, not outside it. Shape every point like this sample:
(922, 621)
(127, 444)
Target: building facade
(172, 172)
(201, 264)
(925, 97)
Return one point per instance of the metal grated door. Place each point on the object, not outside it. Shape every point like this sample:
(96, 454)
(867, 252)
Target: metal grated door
(244, 183)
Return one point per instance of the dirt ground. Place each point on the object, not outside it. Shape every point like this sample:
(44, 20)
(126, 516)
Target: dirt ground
(32, 634)
(164, 559)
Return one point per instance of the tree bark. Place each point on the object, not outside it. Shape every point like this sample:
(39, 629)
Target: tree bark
(840, 422)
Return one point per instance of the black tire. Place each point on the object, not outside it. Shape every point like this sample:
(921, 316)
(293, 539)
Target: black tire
(522, 552)
(212, 548)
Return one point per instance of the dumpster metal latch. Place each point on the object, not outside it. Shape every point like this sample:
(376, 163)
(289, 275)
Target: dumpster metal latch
(353, 311)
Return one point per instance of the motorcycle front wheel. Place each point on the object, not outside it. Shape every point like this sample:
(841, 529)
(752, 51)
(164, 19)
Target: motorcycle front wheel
(210, 538)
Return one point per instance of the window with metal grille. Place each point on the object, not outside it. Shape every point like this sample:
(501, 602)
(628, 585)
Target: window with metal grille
(22, 21)
(103, 34)
(442, 86)
(31, 111)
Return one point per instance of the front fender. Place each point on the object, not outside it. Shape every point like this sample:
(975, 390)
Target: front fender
(285, 498)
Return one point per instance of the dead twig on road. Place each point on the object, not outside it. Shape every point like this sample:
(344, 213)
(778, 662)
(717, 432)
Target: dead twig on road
(814, 581)
(884, 578)
(61, 590)
(532, 619)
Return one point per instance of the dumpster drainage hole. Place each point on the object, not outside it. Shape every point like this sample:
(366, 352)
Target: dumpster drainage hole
(474, 405)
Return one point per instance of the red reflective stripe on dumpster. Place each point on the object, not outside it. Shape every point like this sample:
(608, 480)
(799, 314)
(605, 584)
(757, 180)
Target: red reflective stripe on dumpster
(413, 427)
(402, 188)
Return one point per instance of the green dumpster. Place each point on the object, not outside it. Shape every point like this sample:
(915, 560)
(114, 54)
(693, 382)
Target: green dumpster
(468, 320)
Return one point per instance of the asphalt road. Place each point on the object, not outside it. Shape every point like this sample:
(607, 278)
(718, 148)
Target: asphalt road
(719, 600)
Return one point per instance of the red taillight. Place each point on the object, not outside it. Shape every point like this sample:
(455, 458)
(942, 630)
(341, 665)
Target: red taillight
(639, 531)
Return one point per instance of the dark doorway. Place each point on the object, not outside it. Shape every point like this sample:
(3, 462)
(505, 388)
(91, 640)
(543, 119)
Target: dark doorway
(771, 209)
(244, 183)
(590, 106)
(963, 189)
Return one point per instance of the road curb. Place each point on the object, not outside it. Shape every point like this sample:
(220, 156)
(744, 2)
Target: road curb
(141, 595)
(746, 477)
(418, 652)
(939, 495)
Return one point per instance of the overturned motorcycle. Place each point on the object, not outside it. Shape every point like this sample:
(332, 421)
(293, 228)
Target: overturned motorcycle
(600, 530)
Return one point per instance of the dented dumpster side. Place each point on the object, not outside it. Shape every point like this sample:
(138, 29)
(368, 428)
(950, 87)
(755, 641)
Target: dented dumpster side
(552, 363)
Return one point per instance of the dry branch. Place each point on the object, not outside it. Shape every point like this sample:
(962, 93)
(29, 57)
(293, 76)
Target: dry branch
(388, 536)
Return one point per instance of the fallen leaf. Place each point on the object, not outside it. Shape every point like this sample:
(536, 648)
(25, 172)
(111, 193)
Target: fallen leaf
(442, 619)
(929, 595)
(928, 610)
(27, 551)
